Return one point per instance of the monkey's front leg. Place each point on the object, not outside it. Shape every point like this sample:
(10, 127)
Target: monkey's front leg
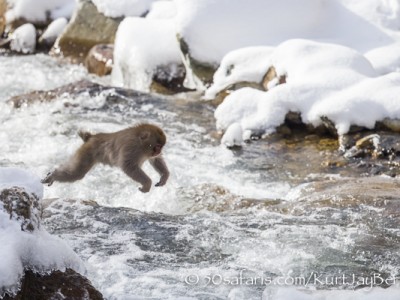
(48, 179)
(137, 174)
(160, 166)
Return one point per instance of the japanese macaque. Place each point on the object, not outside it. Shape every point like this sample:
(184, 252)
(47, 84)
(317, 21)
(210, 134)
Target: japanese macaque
(127, 149)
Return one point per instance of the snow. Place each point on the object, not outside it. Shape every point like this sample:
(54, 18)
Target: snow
(233, 136)
(385, 59)
(10, 177)
(54, 30)
(141, 45)
(24, 39)
(243, 65)
(227, 25)
(329, 80)
(120, 8)
(36, 11)
(20, 250)
(162, 10)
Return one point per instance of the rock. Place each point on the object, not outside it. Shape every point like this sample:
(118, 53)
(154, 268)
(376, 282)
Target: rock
(21, 206)
(169, 79)
(52, 32)
(216, 198)
(392, 124)
(233, 87)
(86, 29)
(99, 61)
(202, 71)
(271, 79)
(25, 208)
(75, 88)
(24, 39)
(56, 285)
(379, 192)
(3, 9)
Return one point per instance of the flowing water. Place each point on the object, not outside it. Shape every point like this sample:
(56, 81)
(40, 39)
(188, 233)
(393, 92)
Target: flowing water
(228, 225)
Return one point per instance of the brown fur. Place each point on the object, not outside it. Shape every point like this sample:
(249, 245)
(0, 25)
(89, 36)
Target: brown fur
(127, 149)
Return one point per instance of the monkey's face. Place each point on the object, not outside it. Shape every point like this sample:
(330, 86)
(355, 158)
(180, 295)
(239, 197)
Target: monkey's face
(155, 142)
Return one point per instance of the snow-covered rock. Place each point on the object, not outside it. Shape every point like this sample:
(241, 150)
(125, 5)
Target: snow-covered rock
(142, 45)
(24, 39)
(26, 244)
(329, 81)
(233, 136)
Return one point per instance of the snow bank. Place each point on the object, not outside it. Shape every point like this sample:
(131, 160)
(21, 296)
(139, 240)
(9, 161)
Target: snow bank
(121, 8)
(36, 11)
(321, 80)
(214, 28)
(385, 59)
(141, 45)
(20, 250)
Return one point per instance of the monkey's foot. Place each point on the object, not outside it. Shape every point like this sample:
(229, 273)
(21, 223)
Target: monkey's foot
(48, 179)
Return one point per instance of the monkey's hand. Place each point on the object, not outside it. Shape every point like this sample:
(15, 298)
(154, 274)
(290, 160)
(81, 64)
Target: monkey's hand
(48, 179)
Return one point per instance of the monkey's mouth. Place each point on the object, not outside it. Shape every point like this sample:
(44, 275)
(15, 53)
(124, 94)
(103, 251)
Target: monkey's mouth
(157, 150)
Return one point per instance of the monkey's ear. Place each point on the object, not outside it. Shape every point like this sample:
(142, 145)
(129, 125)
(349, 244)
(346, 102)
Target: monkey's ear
(144, 135)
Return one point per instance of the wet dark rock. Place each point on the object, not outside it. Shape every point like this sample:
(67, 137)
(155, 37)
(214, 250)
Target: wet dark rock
(210, 197)
(86, 29)
(73, 90)
(169, 79)
(99, 61)
(21, 206)
(378, 192)
(57, 285)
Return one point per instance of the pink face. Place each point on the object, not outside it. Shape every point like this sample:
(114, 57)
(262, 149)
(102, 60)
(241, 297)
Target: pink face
(157, 149)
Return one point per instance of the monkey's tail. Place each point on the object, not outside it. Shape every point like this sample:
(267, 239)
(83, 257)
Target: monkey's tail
(85, 136)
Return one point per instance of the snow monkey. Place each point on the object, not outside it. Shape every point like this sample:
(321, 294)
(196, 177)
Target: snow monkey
(127, 149)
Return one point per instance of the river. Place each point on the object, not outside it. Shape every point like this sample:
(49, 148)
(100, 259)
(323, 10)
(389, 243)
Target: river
(229, 224)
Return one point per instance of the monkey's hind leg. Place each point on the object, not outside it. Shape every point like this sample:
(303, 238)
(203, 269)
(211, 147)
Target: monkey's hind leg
(137, 174)
(75, 169)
